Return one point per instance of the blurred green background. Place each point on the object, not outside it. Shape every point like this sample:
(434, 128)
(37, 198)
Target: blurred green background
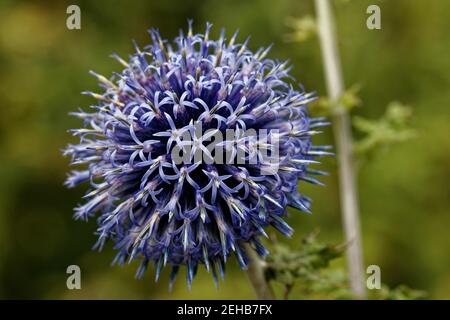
(404, 191)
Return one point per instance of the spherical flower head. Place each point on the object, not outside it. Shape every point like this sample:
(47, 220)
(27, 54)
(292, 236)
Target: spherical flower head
(193, 96)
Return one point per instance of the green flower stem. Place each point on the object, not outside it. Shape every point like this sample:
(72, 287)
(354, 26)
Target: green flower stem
(343, 139)
(256, 275)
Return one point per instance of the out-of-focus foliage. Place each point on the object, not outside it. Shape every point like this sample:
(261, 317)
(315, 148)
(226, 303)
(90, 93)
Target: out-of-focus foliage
(302, 268)
(392, 127)
(348, 101)
(302, 28)
(308, 270)
(405, 199)
(401, 292)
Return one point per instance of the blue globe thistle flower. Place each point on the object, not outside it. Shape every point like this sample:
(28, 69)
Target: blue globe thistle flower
(157, 210)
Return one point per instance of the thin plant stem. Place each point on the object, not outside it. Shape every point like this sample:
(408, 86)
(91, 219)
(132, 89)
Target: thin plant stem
(343, 138)
(256, 275)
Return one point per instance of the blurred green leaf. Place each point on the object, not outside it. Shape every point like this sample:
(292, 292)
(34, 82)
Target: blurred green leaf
(348, 100)
(303, 266)
(393, 127)
(303, 28)
(401, 292)
(308, 267)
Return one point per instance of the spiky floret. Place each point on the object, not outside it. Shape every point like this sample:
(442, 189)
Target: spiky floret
(188, 214)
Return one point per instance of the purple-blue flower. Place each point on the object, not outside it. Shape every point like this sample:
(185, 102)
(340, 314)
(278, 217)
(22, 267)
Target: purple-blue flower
(158, 210)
